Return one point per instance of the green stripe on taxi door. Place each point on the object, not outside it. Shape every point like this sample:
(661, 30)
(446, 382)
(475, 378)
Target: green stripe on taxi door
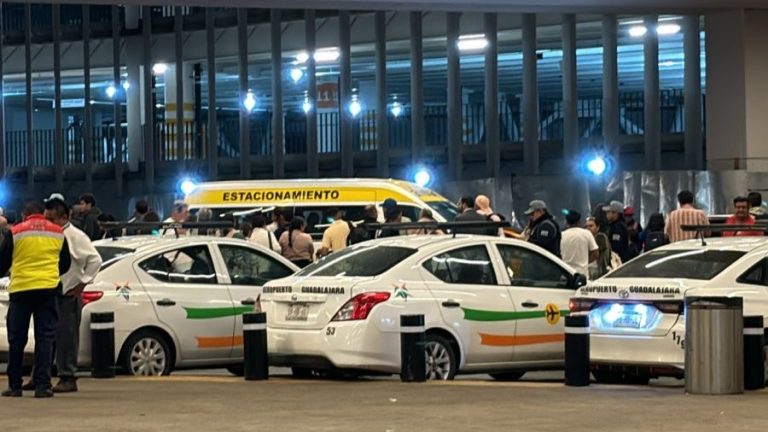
(486, 315)
(211, 313)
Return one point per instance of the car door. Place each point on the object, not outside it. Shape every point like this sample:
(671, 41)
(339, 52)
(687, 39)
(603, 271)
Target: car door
(464, 283)
(540, 289)
(183, 286)
(247, 270)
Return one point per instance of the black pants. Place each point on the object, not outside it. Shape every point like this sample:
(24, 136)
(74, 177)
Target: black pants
(40, 304)
(302, 263)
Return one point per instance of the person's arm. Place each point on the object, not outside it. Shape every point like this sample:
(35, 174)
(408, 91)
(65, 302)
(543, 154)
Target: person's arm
(65, 258)
(325, 248)
(273, 242)
(6, 253)
(594, 249)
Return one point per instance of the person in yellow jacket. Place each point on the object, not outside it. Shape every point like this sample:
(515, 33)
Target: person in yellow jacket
(36, 253)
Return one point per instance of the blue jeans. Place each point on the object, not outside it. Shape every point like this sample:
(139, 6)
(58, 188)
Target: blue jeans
(40, 304)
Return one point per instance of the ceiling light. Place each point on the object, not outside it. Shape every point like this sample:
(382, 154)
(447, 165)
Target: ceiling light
(637, 31)
(472, 43)
(111, 90)
(306, 106)
(668, 29)
(249, 103)
(396, 109)
(159, 68)
(296, 74)
(324, 55)
(302, 57)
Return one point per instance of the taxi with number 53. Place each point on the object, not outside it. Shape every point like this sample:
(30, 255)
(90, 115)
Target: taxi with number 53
(490, 305)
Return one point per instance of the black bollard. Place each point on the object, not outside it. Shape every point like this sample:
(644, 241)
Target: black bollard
(577, 350)
(255, 360)
(754, 341)
(103, 344)
(413, 357)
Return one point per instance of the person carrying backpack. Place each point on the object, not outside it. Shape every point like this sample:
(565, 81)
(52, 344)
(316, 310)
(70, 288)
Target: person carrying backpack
(653, 235)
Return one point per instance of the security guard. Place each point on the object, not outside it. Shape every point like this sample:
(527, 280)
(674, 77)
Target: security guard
(544, 231)
(37, 254)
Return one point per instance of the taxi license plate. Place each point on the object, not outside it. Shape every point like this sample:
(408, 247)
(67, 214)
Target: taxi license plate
(297, 312)
(628, 321)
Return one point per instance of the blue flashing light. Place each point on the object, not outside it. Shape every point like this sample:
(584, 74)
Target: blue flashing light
(422, 177)
(597, 166)
(187, 186)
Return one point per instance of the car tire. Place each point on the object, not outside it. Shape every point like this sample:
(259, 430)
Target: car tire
(236, 370)
(507, 376)
(441, 358)
(304, 373)
(146, 353)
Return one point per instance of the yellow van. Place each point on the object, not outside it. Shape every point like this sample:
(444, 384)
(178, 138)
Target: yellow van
(311, 198)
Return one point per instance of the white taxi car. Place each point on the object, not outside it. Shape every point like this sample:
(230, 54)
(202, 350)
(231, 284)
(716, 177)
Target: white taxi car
(490, 305)
(177, 301)
(636, 312)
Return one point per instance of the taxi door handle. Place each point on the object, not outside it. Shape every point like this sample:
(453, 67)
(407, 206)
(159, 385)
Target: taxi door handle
(166, 302)
(529, 304)
(248, 302)
(451, 304)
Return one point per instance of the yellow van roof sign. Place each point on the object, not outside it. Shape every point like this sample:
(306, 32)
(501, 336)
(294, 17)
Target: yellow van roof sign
(234, 197)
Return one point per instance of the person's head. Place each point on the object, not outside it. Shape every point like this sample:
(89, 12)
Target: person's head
(655, 222)
(755, 199)
(87, 202)
(614, 211)
(142, 207)
(394, 214)
(204, 215)
(180, 211)
(536, 209)
(466, 202)
(297, 223)
(741, 207)
(685, 198)
(629, 214)
(259, 221)
(231, 221)
(334, 214)
(573, 218)
(57, 209)
(246, 228)
(482, 203)
(31, 208)
(278, 216)
(426, 214)
(370, 214)
(593, 225)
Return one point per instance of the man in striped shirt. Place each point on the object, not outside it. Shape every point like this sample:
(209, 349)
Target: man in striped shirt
(687, 214)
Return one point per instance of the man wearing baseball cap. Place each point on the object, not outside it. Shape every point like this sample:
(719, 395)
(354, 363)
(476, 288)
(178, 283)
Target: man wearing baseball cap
(544, 231)
(617, 230)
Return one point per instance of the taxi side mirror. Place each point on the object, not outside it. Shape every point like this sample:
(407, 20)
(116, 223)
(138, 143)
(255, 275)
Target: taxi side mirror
(578, 280)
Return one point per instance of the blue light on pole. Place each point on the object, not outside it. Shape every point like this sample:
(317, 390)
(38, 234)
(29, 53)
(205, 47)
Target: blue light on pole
(597, 165)
(355, 108)
(422, 177)
(187, 186)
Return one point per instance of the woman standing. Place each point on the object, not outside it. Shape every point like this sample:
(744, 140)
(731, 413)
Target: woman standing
(653, 235)
(603, 263)
(297, 245)
(262, 236)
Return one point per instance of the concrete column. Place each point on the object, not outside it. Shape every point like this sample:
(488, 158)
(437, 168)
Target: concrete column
(345, 95)
(692, 92)
(570, 91)
(28, 99)
(245, 118)
(651, 96)
(455, 160)
(134, 103)
(87, 112)
(149, 107)
(313, 167)
(530, 97)
(278, 169)
(118, 109)
(610, 87)
(182, 110)
(382, 118)
(417, 88)
(737, 91)
(2, 102)
(213, 125)
(492, 146)
(58, 140)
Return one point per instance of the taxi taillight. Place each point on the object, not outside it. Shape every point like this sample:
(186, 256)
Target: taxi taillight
(91, 296)
(359, 306)
(581, 305)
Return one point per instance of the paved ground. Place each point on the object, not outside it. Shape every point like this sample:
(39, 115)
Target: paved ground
(200, 402)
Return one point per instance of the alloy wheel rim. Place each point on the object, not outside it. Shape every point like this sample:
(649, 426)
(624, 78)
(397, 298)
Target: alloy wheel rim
(438, 361)
(148, 358)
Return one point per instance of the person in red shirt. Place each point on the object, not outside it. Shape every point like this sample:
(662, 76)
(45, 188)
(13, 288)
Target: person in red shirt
(741, 216)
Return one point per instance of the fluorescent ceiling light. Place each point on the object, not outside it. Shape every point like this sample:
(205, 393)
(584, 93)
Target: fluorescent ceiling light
(159, 68)
(637, 31)
(668, 29)
(324, 55)
(472, 43)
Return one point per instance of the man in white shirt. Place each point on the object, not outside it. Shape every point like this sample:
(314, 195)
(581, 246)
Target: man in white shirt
(263, 236)
(577, 245)
(86, 262)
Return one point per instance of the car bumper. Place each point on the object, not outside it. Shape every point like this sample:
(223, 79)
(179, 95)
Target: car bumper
(657, 352)
(347, 346)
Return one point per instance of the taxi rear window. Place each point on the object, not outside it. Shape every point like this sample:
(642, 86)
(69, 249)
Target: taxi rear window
(110, 254)
(358, 261)
(679, 264)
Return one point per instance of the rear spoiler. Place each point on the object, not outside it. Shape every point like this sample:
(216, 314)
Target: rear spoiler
(704, 230)
(165, 226)
(443, 226)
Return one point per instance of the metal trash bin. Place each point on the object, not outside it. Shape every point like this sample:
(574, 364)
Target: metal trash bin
(714, 353)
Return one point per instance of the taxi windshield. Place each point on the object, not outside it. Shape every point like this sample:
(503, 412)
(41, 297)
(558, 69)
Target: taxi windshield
(446, 209)
(699, 264)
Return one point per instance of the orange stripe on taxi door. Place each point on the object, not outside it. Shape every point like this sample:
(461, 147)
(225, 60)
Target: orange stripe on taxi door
(218, 341)
(505, 340)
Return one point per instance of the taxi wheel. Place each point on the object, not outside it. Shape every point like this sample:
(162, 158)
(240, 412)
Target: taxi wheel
(146, 353)
(507, 376)
(236, 370)
(441, 358)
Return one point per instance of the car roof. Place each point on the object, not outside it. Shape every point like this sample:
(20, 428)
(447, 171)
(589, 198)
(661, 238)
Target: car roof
(425, 242)
(743, 244)
(144, 243)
